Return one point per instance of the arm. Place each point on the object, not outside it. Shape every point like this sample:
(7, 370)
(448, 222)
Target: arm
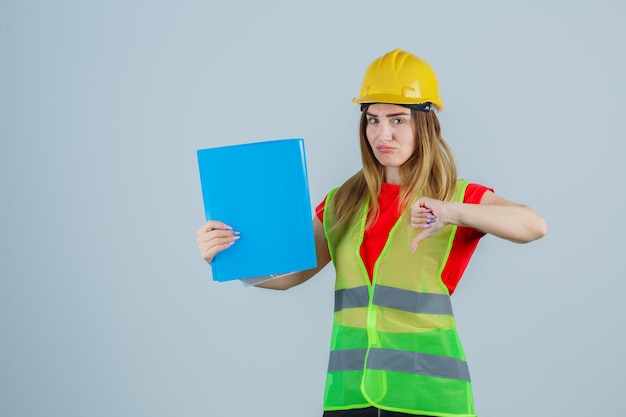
(494, 215)
(297, 278)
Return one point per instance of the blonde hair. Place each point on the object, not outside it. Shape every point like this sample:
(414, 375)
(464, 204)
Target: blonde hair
(430, 171)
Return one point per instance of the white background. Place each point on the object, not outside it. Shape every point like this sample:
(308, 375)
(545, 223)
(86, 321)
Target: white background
(107, 309)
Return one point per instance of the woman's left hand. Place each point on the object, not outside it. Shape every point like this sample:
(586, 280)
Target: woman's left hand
(427, 215)
(494, 215)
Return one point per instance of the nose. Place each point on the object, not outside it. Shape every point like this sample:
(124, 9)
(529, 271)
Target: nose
(385, 133)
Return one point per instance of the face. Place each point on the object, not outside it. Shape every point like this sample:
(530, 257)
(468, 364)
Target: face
(390, 133)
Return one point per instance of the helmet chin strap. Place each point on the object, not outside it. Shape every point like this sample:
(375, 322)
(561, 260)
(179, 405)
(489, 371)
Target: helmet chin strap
(425, 107)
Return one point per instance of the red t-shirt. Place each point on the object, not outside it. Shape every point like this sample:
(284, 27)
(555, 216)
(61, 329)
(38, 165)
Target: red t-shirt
(375, 236)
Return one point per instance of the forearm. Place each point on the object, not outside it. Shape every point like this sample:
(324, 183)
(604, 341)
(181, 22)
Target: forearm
(515, 222)
(286, 281)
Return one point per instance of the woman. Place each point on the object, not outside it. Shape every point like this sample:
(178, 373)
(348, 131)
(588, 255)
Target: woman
(400, 233)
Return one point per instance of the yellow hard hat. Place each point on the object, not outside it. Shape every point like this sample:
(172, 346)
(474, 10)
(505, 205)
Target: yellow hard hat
(399, 77)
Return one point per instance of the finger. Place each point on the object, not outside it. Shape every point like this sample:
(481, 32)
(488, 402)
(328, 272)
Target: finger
(205, 231)
(423, 202)
(209, 253)
(418, 210)
(426, 218)
(212, 248)
(216, 233)
(216, 236)
(414, 243)
(213, 224)
(417, 239)
(423, 222)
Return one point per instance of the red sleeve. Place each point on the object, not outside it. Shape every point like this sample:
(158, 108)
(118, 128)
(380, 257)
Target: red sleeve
(465, 242)
(473, 194)
(319, 210)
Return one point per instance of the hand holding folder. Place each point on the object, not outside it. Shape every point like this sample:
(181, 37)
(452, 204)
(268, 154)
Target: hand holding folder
(261, 190)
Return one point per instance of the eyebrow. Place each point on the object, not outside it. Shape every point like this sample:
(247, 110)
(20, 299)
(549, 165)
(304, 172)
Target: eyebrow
(389, 115)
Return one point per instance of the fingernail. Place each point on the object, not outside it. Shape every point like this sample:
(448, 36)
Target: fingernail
(427, 226)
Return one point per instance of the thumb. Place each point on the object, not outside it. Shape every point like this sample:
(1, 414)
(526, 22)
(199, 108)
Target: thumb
(423, 235)
(417, 239)
(414, 244)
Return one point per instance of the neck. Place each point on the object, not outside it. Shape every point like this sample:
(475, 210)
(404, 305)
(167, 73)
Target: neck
(392, 175)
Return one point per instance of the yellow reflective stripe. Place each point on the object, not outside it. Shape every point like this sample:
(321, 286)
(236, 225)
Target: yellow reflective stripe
(396, 321)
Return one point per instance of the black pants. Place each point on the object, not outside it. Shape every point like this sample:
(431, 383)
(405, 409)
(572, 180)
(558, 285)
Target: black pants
(367, 412)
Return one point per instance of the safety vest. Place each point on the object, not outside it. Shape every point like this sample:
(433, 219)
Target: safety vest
(394, 343)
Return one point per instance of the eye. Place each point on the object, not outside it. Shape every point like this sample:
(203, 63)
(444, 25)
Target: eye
(372, 120)
(397, 121)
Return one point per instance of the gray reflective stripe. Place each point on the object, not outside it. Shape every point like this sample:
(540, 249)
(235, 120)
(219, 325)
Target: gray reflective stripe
(346, 360)
(399, 361)
(418, 363)
(405, 300)
(351, 298)
(412, 301)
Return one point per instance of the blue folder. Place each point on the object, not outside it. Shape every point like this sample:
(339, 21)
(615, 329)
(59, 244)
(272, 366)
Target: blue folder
(261, 190)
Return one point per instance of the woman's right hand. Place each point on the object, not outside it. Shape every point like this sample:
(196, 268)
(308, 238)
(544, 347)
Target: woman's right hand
(213, 237)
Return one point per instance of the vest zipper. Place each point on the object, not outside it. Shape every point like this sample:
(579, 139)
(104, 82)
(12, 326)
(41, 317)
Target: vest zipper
(379, 412)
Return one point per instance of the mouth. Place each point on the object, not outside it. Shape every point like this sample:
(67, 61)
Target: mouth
(385, 149)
